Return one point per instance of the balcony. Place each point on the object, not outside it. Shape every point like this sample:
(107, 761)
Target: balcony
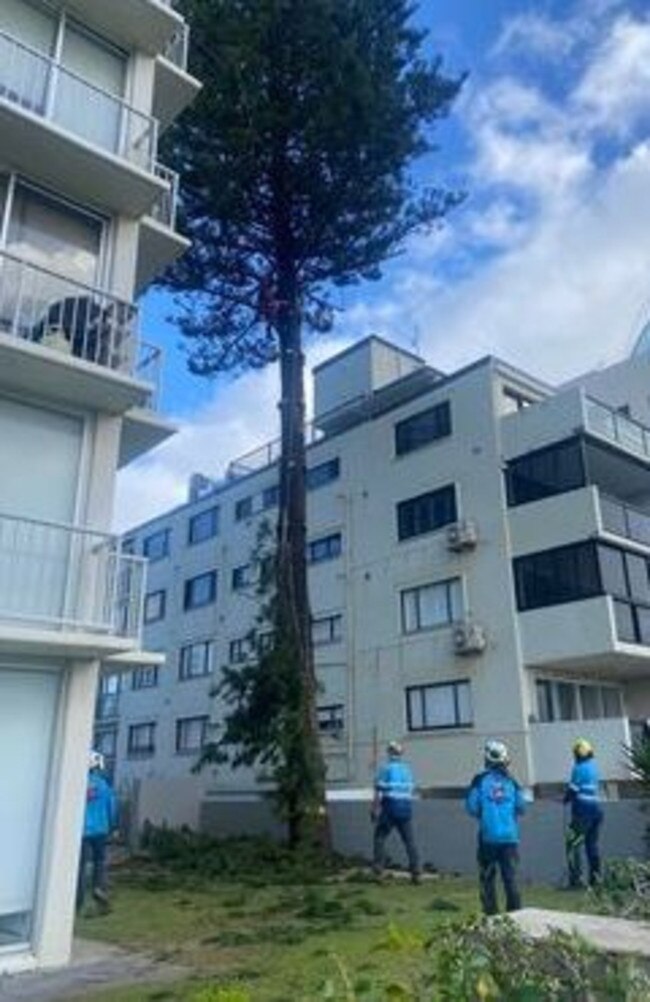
(550, 742)
(160, 243)
(62, 128)
(107, 708)
(610, 424)
(267, 454)
(624, 520)
(174, 87)
(64, 578)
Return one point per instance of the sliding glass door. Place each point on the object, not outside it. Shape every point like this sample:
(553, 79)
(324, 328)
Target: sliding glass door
(28, 704)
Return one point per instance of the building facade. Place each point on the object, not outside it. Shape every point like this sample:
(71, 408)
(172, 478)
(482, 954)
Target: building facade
(86, 219)
(479, 549)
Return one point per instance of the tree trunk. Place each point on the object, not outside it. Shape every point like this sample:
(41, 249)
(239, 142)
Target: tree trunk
(294, 617)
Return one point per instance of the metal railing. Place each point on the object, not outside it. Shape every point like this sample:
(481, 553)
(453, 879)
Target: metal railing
(267, 454)
(57, 576)
(623, 520)
(107, 707)
(606, 422)
(42, 86)
(40, 306)
(165, 207)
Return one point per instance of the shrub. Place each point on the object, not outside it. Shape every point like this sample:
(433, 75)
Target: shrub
(624, 889)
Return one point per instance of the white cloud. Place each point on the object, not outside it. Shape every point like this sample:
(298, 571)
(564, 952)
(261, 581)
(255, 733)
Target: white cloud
(613, 92)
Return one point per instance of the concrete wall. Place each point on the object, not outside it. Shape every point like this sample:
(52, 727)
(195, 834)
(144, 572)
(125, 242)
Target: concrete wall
(446, 836)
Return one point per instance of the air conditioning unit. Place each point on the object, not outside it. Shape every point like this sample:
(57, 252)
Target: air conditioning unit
(469, 638)
(462, 535)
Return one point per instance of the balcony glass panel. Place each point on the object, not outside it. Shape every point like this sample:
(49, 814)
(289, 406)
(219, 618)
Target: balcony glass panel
(638, 525)
(621, 520)
(30, 24)
(49, 89)
(625, 626)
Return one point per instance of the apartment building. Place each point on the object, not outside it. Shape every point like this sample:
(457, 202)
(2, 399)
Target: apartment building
(86, 219)
(479, 549)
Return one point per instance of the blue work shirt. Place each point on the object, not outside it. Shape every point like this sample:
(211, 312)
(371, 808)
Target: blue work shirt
(101, 806)
(394, 785)
(496, 800)
(583, 790)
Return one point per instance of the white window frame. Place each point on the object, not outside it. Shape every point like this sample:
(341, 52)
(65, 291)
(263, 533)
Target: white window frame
(578, 684)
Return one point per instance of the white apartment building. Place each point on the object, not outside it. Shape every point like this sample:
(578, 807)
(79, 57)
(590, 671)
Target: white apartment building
(479, 548)
(86, 219)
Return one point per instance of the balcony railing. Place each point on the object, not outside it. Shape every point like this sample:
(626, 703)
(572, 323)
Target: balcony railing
(623, 520)
(108, 707)
(177, 48)
(611, 424)
(61, 577)
(40, 306)
(165, 207)
(267, 454)
(43, 87)
(632, 621)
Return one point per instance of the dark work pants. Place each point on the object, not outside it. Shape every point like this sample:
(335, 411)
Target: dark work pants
(584, 830)
(385, 824)
(93, 852)
(493, 856)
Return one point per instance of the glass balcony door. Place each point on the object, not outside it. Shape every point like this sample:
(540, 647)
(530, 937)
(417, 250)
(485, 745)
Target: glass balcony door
(22, 78)
(41, 452)
(28, 702)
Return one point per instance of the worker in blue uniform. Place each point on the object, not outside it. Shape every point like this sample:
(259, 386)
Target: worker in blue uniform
(393, 809)
(497, 800)
(583, 794)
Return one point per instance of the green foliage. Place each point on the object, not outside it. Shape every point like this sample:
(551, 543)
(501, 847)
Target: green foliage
(296, 162)
(251, 860)
(222, 994)
(487, 961)
(639, 758)
(624, 889)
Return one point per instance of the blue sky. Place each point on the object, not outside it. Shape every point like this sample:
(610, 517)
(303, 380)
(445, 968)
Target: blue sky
(547, 263)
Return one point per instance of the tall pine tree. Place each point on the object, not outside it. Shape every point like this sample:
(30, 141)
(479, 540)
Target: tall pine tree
(296, 164)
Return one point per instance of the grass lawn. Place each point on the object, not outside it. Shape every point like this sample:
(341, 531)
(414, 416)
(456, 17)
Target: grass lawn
(280, 941)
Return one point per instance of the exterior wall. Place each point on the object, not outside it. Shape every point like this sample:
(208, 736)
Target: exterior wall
(72, 169)
(446, 836)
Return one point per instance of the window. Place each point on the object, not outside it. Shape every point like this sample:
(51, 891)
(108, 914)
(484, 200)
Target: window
(432, 605)
(242, 577)
(196, 660)
(325, 548)
(191, 734)
(105, 742)
(514, 401)
(145, 677)
(270, 497)
(130, 546)
(200, 591)
(203, 526)
(240, 650)
(426, 513)
(564, 700)
(331, 720)
(142, 740)
(154, 606)
(243, 508)
(156, 546)
(546, 472)
(326, 630)
(322, 474)
(422, 428)
(440, 706)
(565, 574)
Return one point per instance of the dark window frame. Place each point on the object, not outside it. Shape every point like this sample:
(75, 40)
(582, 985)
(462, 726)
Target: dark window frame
(241, 577)
(454, 684)
(138, 674)
(148, 750)
(332, 620)
(332, 544)
(188, 604)
(209, 515)
(185, 675)
(418, 516)
(270, 497)
(539, 474)
(421, 429)
(336, 712)
(204, 719)
(322, 474)
(447, 584)
(146, 618)
(244, 508)
(165, 535)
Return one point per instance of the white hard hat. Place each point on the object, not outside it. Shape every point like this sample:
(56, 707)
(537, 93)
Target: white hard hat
(496, 753)
(96, 760)
(395, 749)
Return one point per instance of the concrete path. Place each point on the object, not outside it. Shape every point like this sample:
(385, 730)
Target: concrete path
(94, 966)
(614, 935)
